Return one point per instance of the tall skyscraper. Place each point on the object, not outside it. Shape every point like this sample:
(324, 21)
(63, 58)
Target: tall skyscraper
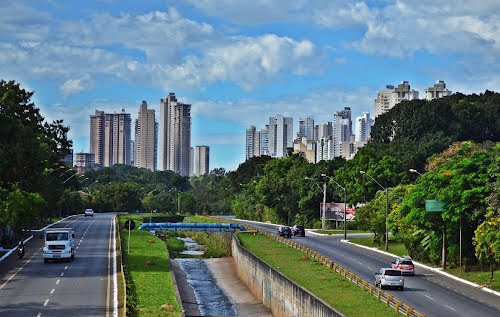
(202, 160)
(97, 137)
(84, 161)
(437, 91)
(306, 128)
(387, 99)
(191, 165)
(175, 135)
(264, 141)
(363, 128)
(342, 125)
(251, 143)
(323, 130)
(280, 135)
(110, 138)
(146, 135)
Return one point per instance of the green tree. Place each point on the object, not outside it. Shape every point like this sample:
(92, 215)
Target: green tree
(23, 210)
(487, 241)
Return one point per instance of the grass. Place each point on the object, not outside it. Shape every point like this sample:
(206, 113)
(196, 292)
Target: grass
(154, 289)
(320, 280)
(481, 278)
(395, 247)
(339, 231)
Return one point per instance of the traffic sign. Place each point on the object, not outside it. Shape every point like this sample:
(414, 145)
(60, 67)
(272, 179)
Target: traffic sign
(435, 205)
(130, 224)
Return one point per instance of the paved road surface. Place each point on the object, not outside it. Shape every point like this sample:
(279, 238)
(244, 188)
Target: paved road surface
(427, 291)
(29, 287)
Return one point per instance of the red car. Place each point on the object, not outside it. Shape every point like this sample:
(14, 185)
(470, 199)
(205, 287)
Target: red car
(405, 265)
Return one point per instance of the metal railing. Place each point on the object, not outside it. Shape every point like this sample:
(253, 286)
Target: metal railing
(388, 299)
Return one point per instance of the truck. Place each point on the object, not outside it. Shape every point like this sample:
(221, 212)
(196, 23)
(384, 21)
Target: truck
(59, 245)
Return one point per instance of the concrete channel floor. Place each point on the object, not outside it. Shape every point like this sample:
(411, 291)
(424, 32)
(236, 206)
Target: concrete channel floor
(222, 269)
(246, 304)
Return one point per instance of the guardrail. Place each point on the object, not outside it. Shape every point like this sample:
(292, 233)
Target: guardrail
(388, 299)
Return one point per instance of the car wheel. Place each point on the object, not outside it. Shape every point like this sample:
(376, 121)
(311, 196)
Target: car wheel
(45, 260)
(402, 288)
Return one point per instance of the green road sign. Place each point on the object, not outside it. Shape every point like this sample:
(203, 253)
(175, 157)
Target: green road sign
(435, 205)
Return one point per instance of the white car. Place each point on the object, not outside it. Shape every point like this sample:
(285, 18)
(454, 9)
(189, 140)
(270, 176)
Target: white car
(89, 212)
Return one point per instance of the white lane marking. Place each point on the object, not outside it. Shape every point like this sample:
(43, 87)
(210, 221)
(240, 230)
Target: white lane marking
(57, 283)
(62, 274)
(12, 276)
(52, 291)
(450, 307)
(77, 248)
(115, 281)
(39, 315)
(429, 297)
(46, 302)
(66, 267)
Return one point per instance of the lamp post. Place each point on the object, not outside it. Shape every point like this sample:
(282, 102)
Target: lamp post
(386, 207)
(415, 171)
(88, 187)
(324, 201)
(345, 204)
(67, 179)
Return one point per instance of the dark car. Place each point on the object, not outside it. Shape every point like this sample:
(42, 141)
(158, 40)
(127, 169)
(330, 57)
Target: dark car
(299, 230)
(284, 231)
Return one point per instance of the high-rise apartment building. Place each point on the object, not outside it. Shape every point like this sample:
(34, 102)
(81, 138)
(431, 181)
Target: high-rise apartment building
(146, 135)
(306, 128)
(387, 99)
(323, 130)
(280, 135)
(306, 148)
(191, 165)
(264, 141)
(325, 149)
(251, 142)
(110, 138)
(202, 160)
(437, 91)
(83, 162)
(175, 136)
(342, 125)
(363, 128)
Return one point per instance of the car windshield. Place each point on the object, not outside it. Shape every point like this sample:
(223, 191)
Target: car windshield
(406, 262)
(57, 236)
(392, 273)
(299, 227)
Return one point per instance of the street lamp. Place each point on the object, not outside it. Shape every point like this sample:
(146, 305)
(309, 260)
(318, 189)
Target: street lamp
(88, 187)
(345, 203)
(386, 207)
(415, 171)
(324, 201)
(67, 179)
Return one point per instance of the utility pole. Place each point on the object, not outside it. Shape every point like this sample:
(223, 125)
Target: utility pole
(324, 207)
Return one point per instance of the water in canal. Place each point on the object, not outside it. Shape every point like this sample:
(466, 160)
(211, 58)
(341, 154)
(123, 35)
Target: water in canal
(211, 299)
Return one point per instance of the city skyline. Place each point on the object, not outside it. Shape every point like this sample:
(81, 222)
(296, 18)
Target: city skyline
(235, 64)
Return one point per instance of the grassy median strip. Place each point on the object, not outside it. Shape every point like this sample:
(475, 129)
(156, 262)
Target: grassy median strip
(149, 269)
(320, 280)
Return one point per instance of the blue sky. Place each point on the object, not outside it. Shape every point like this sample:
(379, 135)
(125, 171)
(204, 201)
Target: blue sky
(238, 62)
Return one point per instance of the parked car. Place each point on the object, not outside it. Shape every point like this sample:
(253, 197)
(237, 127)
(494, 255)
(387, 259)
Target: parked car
(89, 212)
(284, 231)
(405, 265)
(389, 277)
(299, 230)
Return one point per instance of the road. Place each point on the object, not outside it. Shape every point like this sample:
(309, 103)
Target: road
(84, 287)
(429, 292)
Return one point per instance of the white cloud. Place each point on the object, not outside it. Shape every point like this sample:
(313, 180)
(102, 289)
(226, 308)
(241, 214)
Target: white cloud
(76, 85)
(160, 49)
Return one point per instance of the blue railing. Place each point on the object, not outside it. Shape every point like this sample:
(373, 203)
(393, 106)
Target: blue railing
(204, 227)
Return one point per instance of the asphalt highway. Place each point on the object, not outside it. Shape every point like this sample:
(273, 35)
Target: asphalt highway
(84, 287)
(431, 293)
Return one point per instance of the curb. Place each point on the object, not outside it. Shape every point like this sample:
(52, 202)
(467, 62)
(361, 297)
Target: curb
(433, 269)
(29, 238)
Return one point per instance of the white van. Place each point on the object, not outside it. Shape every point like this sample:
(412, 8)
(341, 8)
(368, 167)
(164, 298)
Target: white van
(59, 244)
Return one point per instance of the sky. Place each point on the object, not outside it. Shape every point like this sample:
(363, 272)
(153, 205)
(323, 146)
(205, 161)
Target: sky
(239, 62)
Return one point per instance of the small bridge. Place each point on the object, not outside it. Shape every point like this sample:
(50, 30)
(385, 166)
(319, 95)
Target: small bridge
(197, 227)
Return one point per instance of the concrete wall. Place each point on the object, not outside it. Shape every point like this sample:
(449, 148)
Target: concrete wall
(277, 292)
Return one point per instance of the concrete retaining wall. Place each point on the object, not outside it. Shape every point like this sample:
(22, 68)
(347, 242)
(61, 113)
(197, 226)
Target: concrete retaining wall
(277, 292)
